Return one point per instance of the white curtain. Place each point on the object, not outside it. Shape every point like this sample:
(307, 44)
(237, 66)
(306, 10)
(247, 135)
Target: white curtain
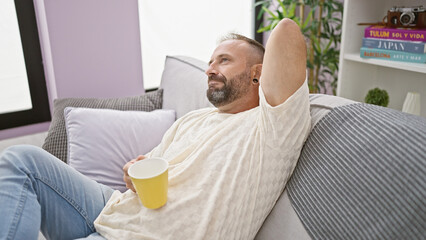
(14, 88)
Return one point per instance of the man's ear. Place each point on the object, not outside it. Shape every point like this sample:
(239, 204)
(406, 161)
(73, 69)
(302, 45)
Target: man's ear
(256, 71)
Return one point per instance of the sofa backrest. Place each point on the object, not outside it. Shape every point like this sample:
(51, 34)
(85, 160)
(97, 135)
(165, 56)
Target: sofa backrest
(184, 84)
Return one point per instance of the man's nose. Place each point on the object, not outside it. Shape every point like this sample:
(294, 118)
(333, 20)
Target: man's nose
(211, 70)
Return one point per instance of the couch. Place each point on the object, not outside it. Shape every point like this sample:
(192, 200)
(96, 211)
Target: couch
(361, 173)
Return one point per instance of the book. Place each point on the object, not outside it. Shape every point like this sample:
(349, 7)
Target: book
(392, 55)
(406, 34)
(395, 45)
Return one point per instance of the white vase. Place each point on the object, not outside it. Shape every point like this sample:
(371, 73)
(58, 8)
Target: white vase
(412, 103)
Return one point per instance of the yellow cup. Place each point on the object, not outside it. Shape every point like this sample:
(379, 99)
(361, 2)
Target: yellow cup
(150, 179)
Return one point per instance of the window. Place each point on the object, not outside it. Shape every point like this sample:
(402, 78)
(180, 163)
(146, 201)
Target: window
(23, 92)
(188, 27)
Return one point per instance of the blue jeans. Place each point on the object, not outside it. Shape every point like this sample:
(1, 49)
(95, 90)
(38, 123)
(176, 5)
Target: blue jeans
(40, 192)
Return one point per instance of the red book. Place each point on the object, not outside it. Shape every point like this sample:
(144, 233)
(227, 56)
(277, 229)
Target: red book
(405, 34)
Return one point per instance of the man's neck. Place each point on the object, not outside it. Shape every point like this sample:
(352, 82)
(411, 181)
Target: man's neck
(239, 105)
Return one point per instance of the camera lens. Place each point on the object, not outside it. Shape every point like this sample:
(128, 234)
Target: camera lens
(407, 18)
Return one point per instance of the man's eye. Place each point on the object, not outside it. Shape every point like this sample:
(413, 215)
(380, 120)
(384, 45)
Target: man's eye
(224, 60)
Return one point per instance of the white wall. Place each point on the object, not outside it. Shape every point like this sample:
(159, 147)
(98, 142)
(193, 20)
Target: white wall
(187, 27)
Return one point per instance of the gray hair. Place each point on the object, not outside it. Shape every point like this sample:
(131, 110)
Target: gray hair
(260, 50)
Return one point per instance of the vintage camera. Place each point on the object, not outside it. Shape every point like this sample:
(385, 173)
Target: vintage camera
(408, 17)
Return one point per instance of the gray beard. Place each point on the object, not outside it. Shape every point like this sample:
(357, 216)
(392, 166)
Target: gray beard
(231, 91)
(220, 97)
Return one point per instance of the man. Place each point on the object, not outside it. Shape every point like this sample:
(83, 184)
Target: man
(228, 165)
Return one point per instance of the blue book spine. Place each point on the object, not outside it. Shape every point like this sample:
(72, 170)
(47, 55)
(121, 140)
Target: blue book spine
(392, 55)
(395, 45)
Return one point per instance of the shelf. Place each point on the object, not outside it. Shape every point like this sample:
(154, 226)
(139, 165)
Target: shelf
(358, 75)
(413, 67)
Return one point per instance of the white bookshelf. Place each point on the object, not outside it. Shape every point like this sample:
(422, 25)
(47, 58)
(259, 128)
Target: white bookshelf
(358, 75)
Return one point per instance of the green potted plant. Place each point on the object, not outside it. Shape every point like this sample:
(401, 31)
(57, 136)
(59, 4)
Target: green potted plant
(378, 97)
(320, 21)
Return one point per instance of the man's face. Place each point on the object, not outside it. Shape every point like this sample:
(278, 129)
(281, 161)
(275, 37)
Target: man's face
(228, 73)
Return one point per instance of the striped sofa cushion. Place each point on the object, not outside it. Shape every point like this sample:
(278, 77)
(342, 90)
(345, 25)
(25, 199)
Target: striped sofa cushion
(362, 175)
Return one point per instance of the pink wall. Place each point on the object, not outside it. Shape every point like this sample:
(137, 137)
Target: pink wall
(95, 47)
(91, 48)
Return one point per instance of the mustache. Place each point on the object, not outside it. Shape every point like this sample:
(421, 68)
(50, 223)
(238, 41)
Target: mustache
(217, 78)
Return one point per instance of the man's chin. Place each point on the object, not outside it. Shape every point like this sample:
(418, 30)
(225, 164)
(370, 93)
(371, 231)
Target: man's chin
(216, 96)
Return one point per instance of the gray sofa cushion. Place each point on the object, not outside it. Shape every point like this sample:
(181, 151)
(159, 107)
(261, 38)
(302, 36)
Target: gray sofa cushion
(56, 140)
(362, 174)
(322, 104)
(184, 83)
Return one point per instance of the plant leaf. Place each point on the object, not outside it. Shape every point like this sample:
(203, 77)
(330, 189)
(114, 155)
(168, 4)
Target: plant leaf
(307, 20)
(270, 12)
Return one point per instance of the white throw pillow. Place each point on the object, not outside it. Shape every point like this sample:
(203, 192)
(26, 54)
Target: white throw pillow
(101, 141)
